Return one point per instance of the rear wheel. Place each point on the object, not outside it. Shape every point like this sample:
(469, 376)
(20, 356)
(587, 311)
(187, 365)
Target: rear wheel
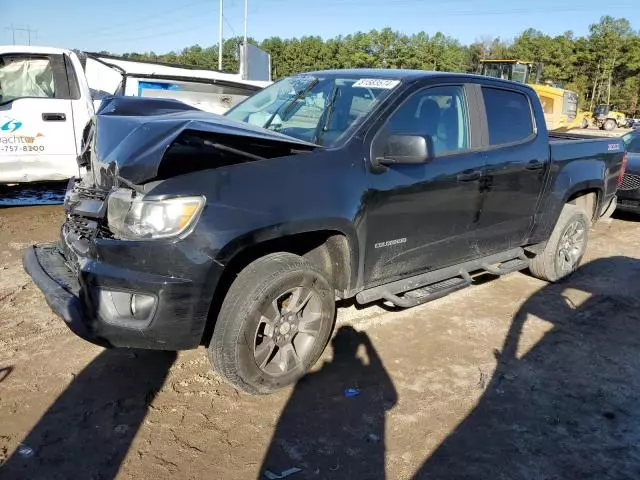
(274, 323)
(609, 124)
(565, 248)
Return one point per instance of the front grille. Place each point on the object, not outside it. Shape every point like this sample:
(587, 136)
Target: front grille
(85, 209)
(81, 226)
(630, 182)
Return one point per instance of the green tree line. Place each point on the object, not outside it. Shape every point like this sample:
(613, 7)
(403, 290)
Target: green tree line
(603, 66)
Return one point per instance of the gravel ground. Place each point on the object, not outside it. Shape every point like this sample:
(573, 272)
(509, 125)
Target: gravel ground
(510, 379)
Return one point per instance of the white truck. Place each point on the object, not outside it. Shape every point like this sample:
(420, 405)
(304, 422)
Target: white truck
(47, 97)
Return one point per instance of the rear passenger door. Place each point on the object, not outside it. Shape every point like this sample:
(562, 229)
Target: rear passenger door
(517, 160)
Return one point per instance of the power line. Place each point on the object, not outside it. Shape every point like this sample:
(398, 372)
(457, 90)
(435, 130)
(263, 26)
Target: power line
(162, 33)
(155, 26)
(130, 23)
(27, 29)
(230, 26)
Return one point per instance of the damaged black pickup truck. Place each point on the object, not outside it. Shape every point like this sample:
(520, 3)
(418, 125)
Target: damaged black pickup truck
(240, 232)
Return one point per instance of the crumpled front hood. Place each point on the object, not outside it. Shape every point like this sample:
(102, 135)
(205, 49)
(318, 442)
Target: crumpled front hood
(132, 136)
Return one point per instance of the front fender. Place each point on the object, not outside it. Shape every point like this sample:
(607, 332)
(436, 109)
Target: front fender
(281, 231)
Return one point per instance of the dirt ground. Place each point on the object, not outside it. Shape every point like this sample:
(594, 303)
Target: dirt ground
(510, 379)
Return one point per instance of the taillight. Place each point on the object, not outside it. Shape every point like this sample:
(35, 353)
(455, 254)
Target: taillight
(623, 167)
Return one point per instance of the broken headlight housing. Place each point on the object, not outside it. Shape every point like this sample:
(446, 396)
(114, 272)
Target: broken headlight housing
(142, 218)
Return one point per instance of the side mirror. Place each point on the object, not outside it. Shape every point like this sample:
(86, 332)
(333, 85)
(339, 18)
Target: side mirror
(405, 149)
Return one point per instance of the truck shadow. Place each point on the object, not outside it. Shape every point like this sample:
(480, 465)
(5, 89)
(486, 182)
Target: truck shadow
(88, 430)
(329, 431)
(567, 405)
(4, 373)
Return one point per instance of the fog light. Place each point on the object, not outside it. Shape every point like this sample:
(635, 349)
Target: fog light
(142, 306)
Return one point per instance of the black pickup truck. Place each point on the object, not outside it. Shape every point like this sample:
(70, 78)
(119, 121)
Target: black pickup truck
(240, 232)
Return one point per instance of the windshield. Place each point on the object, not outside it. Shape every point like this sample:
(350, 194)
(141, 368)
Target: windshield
(497, 70)
(632, 142)
(601, 110)
(315, 109)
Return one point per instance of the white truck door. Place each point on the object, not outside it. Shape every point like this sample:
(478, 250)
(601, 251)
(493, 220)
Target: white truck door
(37, 135)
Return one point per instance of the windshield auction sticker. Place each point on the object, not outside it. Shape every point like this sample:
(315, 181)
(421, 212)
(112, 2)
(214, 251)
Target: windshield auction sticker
(376, 83)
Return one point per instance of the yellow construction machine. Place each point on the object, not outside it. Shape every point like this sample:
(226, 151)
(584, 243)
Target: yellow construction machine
(559, 104)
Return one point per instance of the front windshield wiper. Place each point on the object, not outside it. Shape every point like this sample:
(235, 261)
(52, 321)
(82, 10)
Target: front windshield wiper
(290, 105)
(323, 126)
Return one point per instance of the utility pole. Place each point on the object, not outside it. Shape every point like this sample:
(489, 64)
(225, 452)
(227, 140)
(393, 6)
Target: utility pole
(246, 15)
(244, 44)
(613, 65)
(13, 33)
(15, 29)
(595, 84)
(220, 39)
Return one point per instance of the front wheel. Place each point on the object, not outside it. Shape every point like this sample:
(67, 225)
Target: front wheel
(585, 123)
(274, 323)
(565, 248)
(610, 124)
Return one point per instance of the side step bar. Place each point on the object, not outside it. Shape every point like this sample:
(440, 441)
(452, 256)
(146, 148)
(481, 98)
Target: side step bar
(439, 283)
(428, 293)
(510, 266)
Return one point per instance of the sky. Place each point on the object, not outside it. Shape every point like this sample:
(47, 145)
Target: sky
(160, 26)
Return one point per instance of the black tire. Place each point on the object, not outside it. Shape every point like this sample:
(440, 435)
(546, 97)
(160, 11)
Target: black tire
(256, 296)
(609, 124)
(585, 123)
(551, 264)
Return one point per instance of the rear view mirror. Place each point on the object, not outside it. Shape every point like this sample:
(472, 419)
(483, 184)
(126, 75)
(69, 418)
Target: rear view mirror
(405, 149)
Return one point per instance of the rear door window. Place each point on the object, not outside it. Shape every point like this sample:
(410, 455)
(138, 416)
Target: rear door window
(509, 116)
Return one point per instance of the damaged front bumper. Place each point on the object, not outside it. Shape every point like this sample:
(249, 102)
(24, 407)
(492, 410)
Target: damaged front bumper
(46, 266)
(119, 293)
(97, 301)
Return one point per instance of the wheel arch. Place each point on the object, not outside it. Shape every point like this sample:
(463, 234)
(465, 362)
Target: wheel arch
(332, 247)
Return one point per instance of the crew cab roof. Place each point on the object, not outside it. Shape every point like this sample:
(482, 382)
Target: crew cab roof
(405, 74)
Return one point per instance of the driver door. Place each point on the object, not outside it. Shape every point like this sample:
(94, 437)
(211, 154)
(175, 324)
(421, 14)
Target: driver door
(37, 138)
(422, 216)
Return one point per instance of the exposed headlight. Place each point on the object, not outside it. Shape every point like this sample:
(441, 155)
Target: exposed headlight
(140, 218)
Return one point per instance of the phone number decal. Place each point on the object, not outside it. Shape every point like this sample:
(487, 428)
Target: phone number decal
(21, 148)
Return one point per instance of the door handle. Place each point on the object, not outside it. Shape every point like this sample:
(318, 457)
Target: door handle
(534, 165)
(469, 175)
(54, 117)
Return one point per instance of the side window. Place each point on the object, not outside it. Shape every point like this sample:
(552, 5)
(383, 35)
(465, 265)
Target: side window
(26, 76)
(439, 114)
(509, 116)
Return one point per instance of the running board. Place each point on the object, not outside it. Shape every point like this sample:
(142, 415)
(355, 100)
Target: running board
(428, 293)
(510, 266)
(460, 273)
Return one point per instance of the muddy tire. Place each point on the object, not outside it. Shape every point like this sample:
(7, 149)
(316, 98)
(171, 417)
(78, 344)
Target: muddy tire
(274, 323)
(609, 124)
(565, 248)
(585, 123)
